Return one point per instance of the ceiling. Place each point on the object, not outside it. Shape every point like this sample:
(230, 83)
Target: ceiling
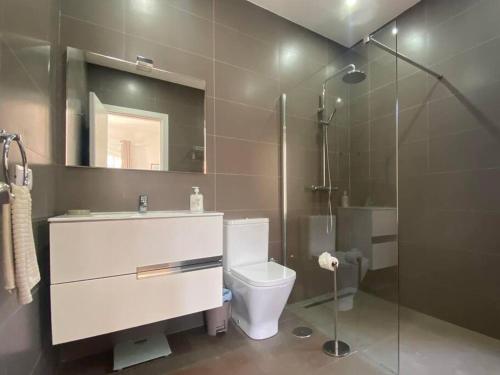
(344, 21)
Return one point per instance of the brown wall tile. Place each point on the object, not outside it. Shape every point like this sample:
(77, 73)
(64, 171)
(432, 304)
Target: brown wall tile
(242, 121)
(235, 156)
(240, 85)
(159, 22)
(238, 192)
(236, 48)
(27, 46)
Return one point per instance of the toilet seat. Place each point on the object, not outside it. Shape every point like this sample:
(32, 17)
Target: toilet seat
(265, 274)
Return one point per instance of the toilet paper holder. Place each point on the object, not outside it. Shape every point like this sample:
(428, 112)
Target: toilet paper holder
(335, 347)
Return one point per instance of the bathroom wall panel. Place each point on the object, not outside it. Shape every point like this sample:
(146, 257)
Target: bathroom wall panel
(27, 42)
(440, 11)
(244, 192)
(199, 8)
(21, 342)
(461, 32)
(156, 20)
(244, 86)
(413, 126)
(87, 36)
(236, 120)
(118, 190)
(239, 49)
(110, 13)
(249, 19)
(381, 71)
(247, 157)
(23, 104)
(448, 164)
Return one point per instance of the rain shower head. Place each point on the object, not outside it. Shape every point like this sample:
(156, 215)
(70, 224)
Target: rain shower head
(354, 76)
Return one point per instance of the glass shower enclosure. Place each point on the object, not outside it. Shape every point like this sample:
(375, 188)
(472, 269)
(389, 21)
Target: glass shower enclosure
(339, 194)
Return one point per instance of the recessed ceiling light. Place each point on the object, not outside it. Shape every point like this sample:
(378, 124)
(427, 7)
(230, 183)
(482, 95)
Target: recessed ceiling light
(339, 100)
(394, 30)
(350, 3)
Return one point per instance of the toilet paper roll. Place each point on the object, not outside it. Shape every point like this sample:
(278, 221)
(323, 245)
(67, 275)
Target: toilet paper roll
(327, 261)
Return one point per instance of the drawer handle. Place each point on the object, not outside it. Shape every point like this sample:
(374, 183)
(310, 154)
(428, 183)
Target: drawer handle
(167, 269)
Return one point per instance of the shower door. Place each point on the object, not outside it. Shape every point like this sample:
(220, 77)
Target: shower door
(349, 144)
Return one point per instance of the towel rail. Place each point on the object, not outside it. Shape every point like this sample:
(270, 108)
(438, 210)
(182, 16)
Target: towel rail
(7, 139)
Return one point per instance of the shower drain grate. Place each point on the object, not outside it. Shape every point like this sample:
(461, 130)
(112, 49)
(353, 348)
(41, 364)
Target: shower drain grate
(302, 332)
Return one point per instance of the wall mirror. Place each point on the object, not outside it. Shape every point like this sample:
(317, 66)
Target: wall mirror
(131, 115)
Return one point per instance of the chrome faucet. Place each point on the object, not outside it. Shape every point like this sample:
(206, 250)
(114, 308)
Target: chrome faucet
(143, 203)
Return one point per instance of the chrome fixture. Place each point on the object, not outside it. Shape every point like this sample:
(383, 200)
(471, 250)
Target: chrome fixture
(302, 332)
(335, 347)
(370, 39)
(144, 63)
(324, 188)
(143, 203)
(284, 196)
(7, 139)
(182, 266)
(352, 75)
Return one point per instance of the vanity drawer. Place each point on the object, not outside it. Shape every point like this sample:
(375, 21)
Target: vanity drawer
(93, 249)
(384, 255)
(94, 307)
(384, 223)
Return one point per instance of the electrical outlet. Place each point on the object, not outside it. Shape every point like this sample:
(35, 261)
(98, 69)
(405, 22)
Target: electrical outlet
(20, 176)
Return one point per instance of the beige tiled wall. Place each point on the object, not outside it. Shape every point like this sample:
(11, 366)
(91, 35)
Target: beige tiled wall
(243, 52)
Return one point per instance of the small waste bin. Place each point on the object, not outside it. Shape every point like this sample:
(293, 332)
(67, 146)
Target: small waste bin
(218, 319)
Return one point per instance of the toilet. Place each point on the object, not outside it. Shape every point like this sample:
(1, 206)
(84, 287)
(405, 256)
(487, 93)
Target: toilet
(260, 287)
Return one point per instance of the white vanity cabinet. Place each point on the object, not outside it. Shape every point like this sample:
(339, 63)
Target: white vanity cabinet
(113, 271)
(373, 230)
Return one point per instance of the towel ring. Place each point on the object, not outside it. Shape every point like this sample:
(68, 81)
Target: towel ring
(7, 138)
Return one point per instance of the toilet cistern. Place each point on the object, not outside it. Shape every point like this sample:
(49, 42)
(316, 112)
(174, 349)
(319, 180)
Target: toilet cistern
(143, 203)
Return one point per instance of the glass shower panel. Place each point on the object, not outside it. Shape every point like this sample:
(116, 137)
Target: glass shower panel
(341, 133)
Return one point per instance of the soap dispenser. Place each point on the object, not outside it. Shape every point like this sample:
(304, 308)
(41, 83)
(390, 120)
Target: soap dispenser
(196, 200)
(345, 199)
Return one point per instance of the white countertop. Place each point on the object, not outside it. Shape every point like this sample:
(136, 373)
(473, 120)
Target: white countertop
(132, 215)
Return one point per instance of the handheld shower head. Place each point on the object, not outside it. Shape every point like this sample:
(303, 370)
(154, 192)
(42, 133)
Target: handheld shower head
(327, 122)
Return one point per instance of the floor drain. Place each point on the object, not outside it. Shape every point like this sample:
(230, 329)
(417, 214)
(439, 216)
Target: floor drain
(302, 332)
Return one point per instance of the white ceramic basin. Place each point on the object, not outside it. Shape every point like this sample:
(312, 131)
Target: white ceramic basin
(130, 215)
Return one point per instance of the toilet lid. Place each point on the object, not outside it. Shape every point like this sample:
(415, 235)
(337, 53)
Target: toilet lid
(264, 274)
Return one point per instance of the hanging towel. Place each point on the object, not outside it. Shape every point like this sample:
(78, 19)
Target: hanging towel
(27, 274)
(7, 254)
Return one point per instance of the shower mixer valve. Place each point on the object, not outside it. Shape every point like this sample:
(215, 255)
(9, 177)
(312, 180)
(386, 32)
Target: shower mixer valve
(324, 188)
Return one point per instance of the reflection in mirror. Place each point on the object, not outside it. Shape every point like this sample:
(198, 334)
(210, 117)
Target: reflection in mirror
(132, 116)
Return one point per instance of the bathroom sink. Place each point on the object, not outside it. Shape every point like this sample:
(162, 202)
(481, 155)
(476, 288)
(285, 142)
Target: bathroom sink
(111, 271)
(129, 215)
